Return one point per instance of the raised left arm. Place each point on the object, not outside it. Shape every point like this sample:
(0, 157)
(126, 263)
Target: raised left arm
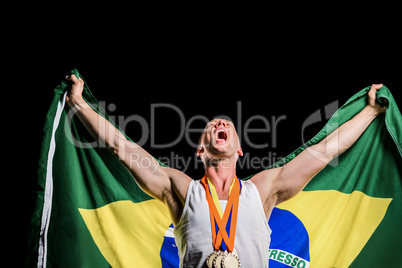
(283, 183)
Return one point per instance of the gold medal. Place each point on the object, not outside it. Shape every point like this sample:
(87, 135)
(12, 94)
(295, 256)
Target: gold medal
(231, 260)
(219, 258)
(211, 258)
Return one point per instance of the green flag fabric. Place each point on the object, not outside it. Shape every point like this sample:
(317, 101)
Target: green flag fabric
(89, 212)
(352, 209)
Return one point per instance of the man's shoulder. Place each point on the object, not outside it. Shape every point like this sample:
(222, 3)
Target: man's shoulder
(179, 180)
(266, 176)
(266, 182)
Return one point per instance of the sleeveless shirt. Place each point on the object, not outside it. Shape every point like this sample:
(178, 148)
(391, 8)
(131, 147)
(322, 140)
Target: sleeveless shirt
(193, 233)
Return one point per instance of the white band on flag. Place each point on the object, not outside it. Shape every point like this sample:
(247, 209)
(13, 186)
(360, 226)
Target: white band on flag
(47, 205)
(288, 258)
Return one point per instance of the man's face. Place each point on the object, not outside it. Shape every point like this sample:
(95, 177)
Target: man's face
(219, 140)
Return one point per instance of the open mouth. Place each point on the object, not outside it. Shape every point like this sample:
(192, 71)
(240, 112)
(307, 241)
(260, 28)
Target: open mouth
(221, 135)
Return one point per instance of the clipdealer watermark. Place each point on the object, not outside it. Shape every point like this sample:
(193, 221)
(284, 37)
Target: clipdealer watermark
(269, 126)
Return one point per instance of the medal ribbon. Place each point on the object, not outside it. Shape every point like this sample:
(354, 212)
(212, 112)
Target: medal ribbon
(219, 224)
(215, 197)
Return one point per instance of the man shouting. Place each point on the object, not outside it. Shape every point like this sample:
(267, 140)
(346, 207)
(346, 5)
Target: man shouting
(221, 221)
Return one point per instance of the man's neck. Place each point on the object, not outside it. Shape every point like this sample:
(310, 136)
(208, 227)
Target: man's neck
(221, 174)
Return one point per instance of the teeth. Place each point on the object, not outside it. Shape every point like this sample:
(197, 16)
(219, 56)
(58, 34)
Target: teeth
(221, 136)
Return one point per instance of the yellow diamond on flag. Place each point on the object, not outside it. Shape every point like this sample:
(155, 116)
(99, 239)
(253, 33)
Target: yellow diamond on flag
(129, 234)
(338, 224)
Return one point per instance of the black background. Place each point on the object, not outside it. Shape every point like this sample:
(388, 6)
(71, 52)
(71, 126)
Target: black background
(292, 71)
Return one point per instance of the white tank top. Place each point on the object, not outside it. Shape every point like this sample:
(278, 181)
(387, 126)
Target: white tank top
(193, 233)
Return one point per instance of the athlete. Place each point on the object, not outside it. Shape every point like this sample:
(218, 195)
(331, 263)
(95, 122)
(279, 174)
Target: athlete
(219, 220)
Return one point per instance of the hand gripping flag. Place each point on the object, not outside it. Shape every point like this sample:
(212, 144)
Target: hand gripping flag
(89, 212)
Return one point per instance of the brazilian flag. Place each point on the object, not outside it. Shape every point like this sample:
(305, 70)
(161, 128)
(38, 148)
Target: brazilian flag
(89, 212)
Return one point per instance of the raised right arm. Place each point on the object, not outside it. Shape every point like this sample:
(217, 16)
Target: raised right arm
(160, 182)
